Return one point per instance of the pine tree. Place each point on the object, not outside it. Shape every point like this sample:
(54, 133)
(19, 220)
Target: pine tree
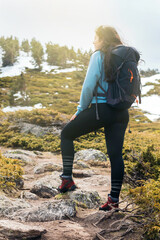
(52, 51)
(37, 52)
(25, 46)
(11, 50)
(57, 55)
(72, 54)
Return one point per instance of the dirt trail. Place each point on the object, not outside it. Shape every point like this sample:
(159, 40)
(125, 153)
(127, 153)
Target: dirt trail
(82, 227)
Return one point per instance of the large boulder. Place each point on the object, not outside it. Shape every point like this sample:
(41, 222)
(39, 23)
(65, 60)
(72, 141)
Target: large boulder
(80, 165)
(10, 229)
(86, 198)
(46, 186)
(25, 152)
(10, 205)
(22, 157)
(47, 167)
(36, 130)
(97, 181)
(47, 211)
(90, 155)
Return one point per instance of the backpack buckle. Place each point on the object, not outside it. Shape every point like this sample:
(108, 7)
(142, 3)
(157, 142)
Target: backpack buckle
(135, 98)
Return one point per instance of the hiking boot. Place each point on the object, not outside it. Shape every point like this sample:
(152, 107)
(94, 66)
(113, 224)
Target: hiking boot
(67, 184)
(110, 204)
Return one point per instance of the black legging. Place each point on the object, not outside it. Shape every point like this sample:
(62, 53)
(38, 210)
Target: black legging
(114, 123)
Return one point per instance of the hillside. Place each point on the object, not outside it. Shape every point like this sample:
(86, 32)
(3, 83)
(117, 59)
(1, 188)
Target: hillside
(23, 85)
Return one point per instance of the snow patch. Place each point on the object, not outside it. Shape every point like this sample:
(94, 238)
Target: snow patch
(29, 108)
(150, 105)
(23, 60)
(146, 89)
(19, 95)
(72, 69)
(153, 79)
(48, 68)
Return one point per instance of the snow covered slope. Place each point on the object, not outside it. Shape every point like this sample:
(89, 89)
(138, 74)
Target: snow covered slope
(26, 60)
(150, 104)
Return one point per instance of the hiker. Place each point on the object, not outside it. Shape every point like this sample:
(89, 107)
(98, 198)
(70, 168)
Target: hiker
(100, 114)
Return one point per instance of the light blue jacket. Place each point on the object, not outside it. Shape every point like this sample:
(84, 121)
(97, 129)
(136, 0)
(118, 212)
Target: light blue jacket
(94, 73)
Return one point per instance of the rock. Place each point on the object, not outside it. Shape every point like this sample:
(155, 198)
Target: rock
(28, 177)
(36, 130)
(47, 167)
(24, 159)
(90, 155)
(86, 198)
(44, 191)
(82, 173)
(94, 181)
(2, 237)
(13, 230)
(29, 195)
(47, 186)
(48, 211)
(21, 151)
(80, 165)
(9, 206)
(39, 153)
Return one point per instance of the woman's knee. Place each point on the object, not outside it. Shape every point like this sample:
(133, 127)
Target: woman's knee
(66, 133)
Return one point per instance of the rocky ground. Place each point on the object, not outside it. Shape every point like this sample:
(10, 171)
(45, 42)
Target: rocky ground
(38, 211)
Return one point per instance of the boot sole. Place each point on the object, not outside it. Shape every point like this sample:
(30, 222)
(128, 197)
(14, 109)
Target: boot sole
(106, 210)
(67, 189)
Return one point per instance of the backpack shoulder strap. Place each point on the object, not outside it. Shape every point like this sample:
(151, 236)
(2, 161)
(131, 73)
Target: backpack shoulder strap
(98, 84)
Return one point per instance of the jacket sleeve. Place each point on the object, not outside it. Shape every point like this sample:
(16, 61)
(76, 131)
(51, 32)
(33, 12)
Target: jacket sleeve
(92, 76)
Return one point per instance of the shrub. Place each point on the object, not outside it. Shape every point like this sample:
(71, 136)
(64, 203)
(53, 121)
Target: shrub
(147, 197)
(10, 171)
(142, 166)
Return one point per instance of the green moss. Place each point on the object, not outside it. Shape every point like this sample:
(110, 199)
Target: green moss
(61, 196)
(80, 204)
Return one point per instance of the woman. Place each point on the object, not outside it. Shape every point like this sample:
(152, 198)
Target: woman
(85, 121)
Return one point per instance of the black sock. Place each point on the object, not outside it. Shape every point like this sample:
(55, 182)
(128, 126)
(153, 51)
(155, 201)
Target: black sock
(67, 166)
(115, 188)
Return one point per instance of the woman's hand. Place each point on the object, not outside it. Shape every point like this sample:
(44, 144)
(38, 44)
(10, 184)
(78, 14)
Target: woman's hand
(73, 117)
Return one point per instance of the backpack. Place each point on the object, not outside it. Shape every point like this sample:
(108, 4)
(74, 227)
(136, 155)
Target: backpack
(126, 84)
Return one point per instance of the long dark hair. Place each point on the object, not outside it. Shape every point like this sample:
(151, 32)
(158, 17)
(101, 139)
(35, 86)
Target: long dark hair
(110, 39)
